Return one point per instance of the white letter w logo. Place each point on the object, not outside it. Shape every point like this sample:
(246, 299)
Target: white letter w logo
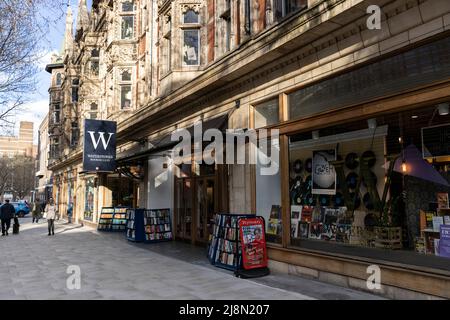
(101, 137)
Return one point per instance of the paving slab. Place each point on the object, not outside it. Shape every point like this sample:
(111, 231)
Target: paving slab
(35, 266)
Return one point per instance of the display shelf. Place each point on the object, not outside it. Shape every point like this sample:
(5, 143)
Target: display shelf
(157, 225)
(135, 225)
(224, 250)
(113, 219)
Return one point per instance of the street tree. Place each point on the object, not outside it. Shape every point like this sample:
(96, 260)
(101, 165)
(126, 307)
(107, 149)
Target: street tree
(24, 25)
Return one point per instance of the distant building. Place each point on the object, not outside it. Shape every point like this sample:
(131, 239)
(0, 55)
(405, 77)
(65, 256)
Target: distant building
(11, 146)
(43, 175)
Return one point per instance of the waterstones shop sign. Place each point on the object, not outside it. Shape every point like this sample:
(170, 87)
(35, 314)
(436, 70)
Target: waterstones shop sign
(99, 150)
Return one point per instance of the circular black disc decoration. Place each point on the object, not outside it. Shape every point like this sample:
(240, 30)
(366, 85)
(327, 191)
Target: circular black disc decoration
(338, 200)
(308, 165)
(373, 177)
(298, 166)
(352, 180)
(351, 160)
(372, 159)
(324, 200)
(356, 201)
(368, 203)
(370, 220)
(309, 200)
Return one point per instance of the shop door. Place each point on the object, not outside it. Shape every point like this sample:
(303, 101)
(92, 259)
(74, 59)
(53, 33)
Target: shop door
(205, 207)
(183, 208)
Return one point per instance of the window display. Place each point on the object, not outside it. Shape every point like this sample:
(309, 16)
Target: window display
(191, 45)
(89, 199)
(366, 183)
(268, 195)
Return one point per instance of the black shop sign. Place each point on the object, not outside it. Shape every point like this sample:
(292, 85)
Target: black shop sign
(99, 149)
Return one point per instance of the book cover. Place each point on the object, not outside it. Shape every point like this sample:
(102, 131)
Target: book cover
(442, 200)
(275, 212)
(437, 221)
(329, 232)
(436, 247)
(294, 228)
(343, 232)
(420, 245)
(423, 220)
(315, 230)
(306, 215)
(303, 229)
(447, 220)
(296, 212)
(272, 226)
(429, 219)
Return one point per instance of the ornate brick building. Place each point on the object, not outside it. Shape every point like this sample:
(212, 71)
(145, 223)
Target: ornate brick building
(311, 69)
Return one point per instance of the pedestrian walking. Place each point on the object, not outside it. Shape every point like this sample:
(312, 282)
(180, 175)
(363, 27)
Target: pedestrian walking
(50, 214)
(7, 212)
(36, 211)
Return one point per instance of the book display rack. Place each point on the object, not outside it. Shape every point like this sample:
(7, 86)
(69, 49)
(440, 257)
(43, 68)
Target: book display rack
(224, 250)
(135, 225)
(157, 225)
(112, 219)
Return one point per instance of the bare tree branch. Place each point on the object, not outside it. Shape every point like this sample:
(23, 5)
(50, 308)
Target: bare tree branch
(23, 27)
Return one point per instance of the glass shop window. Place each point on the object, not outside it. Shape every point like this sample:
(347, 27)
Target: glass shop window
(191, 45)
(268, 188)
(266, 113)
(377, 183)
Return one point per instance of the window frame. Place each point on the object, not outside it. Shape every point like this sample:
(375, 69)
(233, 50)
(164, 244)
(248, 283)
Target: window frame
(123, 84)
(183, 30)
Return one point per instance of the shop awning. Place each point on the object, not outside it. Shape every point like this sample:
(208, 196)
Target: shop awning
(165, 142)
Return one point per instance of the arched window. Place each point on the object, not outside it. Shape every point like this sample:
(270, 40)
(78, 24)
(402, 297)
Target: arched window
(190, 16)
(126, 76)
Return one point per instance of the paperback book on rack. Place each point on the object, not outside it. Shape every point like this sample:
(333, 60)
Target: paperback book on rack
(113, 219)
(157, 225)
(135, 225)
(224, 249)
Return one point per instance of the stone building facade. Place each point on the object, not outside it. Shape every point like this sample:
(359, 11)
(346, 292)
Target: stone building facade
(44, 177)
(307, 68)
(11, 146)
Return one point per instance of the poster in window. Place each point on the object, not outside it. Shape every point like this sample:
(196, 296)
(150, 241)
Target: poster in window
(444, 243)
(324, 174)
(274, 223)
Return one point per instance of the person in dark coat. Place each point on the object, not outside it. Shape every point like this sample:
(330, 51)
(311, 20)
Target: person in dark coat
(7, 212)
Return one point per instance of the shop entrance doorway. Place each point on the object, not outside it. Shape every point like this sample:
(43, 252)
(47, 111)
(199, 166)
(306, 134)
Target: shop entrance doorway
(183, 208)
(205, 207)
(198, 198)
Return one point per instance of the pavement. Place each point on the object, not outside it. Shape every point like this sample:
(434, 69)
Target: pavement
(37, 266)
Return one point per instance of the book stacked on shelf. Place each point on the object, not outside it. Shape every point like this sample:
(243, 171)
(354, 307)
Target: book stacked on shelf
(157, 225)
(131, 229)
(224, 250)
(113, 219)
(105, 220)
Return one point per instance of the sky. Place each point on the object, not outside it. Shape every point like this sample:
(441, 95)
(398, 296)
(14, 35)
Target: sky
(37, 106)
